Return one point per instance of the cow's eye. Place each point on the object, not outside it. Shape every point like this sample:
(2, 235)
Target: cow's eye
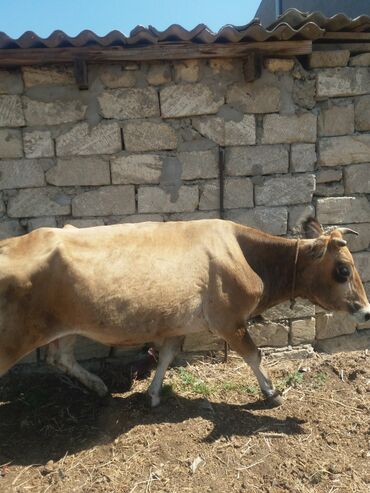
(342, 272)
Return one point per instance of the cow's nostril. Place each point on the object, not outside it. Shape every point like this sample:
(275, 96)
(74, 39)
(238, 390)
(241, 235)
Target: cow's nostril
(367, 316)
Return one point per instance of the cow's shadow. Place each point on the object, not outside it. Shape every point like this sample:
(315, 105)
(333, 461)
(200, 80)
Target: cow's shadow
(44, 417)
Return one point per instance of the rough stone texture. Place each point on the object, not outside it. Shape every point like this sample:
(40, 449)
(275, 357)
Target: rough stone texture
(81, 140)
(136, 168)
(34, 202)
(357, 178)
(303, 157)
(350, 149)
(362, 60)
(48, 75)
(360, 242)
(53, 112)
(198, 164)
(334, 324)
(189, 100)
(280, 129)
(123, 104)
(270, 219)
(290, 353)
(362, 262)
(285, 190)
(328, 175)
(298, 213)
(352, 342)
(269, 334)
(21, 173)
(362, 113)
(115, 76)
(340, 82)
(11, 113)
(329, 189)
(10, 228)
(321, 59)
(228, 132)
(105, 201)
(154, 199)
(341, 210)
(10, 82)
(336, 120)
(257, 160)
(302, 309)
(238, 193)
(158, 74)
(41, 222)
(193, 216)
(202, 341)
(85, 223)
(149, 136)
(303, 331)
(10, 143)
(79, 171)
(187, 71)
(279, 64)
(38, 143)
(254, 97)
(140, 218)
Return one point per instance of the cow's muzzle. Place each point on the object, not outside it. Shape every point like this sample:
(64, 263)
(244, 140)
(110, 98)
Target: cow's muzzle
(362, 314)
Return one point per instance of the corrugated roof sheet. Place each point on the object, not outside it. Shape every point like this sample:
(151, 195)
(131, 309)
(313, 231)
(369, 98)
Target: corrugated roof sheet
(291, 25)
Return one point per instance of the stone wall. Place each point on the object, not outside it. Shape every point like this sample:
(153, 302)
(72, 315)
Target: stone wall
(142, 143)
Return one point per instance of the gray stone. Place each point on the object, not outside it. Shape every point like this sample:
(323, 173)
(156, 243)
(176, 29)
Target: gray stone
(21, 173)
(123, 104)
(38, 143)
(341, 210)
(334, 324)
(303, 331)
(280, 129)
(198, 164)
(53, 112)
(350, 149)
(142, 218)
(270, 219)
(345, 81)
(79, 171)
(302, 309)
(298, 213)
(254, 97)
(362, 262)
(155, 199)
(360, 340)
(137, 168)
(81, 140)
(285, 190)
(189, 100)
(34, 202)
(279, 64)
(357, 178)
(84, 223)
(187, 71)
(269, 334)
(115, 76)
(10, 228)
(238, 193)
(202, 341)
(335, 58)
(336, 120)
(334, 189)
(328, 175)
(11, 112)
(10, 143)
(257, 160)
(158, 74)
(228, 132)
(360, 242)
(303, 157)
(11, 82)
(362, 60)
(301, 352)
(86, 349)
(105, 201)
(41, 222)
(193, 216)
(48, 75)
(149, 136)
(304, 91)
(362, 113)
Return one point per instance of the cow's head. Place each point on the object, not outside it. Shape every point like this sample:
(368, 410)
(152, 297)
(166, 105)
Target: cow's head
(330, 274)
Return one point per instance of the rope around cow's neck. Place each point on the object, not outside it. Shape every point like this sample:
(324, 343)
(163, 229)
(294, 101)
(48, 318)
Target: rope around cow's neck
(292, 296)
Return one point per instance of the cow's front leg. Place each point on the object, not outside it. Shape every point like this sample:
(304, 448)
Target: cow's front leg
(242, 343)
(61, 354)
(167, 352)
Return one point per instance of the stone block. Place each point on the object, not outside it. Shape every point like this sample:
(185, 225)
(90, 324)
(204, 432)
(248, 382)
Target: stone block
(279, 64)
(285, 190)
(123, 104)
(149, 136)
(81, 140)
(238, 193)
(115, 76)
(321, 59)
(350, 149)
(11, 112)
(362, 60)
(38, 143)
(302, 309)
(21, 173)
(84, 223)
(362, 113)
(303, 157)
(336, 120)
(187, 71)
(142, 218)
(136, 168)
(334, 324)
(193, 216)
(48, 75)
(357, 341)
(362, 262)
(79, 171)
(334, 189)
(303, 331)
(184, 100)
(357, 178)
(272, 220)
(158, 74)
(280, 129)
(360, 242)
(254, 97)
(341, 210)
(298, 213)
(155, 199)
(229, 132)
(198, 164)
(257, 160)
(10, 143)
(269, 334)
(105, 201)
(34, 202)
(10, 228)
(41, 222)
(11, 82)
(202, 341)
(53, 112)
(328, 175)
(340, 82)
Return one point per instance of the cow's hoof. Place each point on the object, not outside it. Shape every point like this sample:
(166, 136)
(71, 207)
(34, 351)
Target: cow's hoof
(274, 400)
(153, 400)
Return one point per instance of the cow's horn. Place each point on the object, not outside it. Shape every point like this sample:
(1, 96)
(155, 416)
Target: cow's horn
(347, 231)
(338, 242)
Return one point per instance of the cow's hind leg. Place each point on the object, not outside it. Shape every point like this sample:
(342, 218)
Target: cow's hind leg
(167, 352)
(242, 343)
(61, 354)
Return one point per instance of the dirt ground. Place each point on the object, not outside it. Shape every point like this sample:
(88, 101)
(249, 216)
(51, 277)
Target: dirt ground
(212, 433)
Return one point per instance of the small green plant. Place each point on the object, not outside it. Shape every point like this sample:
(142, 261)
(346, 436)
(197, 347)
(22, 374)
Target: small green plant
(239, 387)
(319, 379)
(191, 383)
(291, 380)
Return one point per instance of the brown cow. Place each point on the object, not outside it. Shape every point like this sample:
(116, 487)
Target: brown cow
(135, 283)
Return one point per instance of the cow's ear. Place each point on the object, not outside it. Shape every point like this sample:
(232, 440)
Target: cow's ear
(318, 248)
(312, 228)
